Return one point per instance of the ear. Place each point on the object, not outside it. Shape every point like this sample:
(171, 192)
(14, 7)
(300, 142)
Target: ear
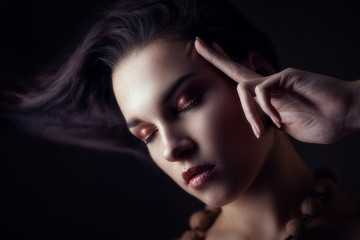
(259, 64)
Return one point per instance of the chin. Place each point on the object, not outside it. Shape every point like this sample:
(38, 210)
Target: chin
(218, 196)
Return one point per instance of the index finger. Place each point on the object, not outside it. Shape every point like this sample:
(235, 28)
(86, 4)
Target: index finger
(232, 69)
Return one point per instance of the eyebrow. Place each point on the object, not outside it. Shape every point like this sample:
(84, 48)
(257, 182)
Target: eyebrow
(133, 123)
(175, 86)
(167, 94)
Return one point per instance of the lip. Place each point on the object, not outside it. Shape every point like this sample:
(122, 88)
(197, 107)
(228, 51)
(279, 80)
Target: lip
(196, 177)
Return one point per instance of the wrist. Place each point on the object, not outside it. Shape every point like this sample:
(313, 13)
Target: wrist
(352, 121)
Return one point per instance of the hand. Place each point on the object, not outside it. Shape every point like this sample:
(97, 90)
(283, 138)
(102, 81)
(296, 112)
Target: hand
(310, 107)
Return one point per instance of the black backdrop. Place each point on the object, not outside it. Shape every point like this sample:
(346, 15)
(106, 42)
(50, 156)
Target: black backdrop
(54, 191)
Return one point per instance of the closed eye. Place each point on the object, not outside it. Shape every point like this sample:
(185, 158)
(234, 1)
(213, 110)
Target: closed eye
(148, 140)
(185, 105)
(147, 134)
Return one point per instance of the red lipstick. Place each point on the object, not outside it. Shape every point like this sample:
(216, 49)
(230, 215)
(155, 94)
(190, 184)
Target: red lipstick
(197, 176)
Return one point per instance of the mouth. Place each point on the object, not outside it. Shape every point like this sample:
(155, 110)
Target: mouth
(196, 177)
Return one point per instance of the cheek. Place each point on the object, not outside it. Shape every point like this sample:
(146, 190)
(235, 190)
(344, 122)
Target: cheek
(232, 137)
(223, 122)
(227, 139)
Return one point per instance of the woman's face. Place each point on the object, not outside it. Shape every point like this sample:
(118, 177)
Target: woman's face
(189, 115)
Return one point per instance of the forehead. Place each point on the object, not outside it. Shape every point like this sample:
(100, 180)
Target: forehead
(141, 77)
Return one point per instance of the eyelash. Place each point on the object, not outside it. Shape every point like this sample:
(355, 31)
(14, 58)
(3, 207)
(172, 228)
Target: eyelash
(148, 140)
(191, 105)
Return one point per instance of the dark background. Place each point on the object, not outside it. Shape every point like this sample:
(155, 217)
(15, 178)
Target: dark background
(57, 191)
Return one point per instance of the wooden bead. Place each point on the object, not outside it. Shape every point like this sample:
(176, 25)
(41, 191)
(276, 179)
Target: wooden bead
(325, 188)
(200, 220)
(192, 235)
(295, 228)
(327, 172)
(311, 207)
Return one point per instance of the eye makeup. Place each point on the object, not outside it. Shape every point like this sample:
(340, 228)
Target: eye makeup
(189, 97)
(186, 103)
(147, 133)
(185, 98)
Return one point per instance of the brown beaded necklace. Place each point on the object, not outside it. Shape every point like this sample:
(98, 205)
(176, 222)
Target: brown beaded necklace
(312, 207)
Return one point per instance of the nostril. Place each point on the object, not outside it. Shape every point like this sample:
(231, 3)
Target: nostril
(186, 154)
(185, 149)
(179, 150)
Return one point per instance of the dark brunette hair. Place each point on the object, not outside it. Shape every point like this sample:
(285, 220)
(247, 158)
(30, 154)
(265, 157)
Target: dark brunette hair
(79, 93)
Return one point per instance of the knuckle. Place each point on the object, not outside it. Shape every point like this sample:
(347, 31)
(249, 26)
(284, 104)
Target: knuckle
(289, 70)
(241, 85)
(258, 88)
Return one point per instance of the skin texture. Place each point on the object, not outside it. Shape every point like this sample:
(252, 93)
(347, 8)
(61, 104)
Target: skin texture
(259, 183)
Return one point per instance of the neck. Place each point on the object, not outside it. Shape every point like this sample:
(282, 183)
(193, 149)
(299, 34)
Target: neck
(274, 197)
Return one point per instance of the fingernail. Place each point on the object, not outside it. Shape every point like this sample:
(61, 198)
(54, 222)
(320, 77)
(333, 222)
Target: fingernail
(196, 37)
(255, 130)
(276, 121)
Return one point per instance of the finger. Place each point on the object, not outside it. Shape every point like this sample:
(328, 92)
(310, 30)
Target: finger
(249, 107)
(240, 74)
(273, 86)
(264, 101)
(234, 70)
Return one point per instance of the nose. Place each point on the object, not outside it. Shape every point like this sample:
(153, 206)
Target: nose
(177, 146)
